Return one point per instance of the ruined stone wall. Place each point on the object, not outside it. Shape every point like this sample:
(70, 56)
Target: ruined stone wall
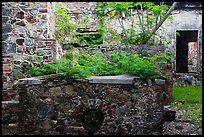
(49, 105)
(27, 32)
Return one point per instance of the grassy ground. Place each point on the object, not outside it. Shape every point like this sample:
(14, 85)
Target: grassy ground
(191, 101)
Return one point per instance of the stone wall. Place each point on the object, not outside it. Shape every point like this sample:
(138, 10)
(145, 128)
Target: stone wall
(131, 106)
(27, 32)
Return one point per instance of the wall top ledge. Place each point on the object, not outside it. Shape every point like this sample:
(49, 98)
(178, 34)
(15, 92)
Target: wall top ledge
(120, 79)
(28, 81)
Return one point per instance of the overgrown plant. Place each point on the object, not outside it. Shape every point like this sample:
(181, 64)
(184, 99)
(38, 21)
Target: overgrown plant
(95, 63)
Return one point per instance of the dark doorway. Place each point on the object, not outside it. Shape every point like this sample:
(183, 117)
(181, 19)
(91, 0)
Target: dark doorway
(186, 39)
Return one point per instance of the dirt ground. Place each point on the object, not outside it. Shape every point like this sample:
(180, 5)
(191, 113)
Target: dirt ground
(182, 126)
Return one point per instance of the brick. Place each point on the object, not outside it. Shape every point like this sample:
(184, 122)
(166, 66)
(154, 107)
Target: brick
(7, 68)
(7, 71)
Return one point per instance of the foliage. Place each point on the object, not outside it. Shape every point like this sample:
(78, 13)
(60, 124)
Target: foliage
(192, 97)
(90, 39)
(148, 15)
(65, 28)
(96, 63)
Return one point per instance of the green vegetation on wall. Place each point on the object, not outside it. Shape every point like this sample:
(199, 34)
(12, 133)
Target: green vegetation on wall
(95, 63)
(67, 31)
(65, 27)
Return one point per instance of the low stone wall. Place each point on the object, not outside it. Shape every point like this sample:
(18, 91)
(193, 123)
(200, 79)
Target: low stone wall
(129, 105)
(183, 79)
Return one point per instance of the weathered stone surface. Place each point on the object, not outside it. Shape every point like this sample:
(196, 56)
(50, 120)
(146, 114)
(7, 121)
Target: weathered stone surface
(34, 12)
(4, 19)
(28, 81)
(6, 11)
(20, 23)
(181, 128)
(121, 79)
(19, 41)
(11, 48)
(10, 102)
(6, 28)
(55, 91)
(69, 89)
(20, 15)
(28, 42)
(4, 47)
(4, 37)
(160, 81)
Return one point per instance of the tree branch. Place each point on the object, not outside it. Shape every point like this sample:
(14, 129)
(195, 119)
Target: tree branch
(165, 17)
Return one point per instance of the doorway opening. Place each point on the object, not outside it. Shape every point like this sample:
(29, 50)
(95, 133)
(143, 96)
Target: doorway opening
(186, 51)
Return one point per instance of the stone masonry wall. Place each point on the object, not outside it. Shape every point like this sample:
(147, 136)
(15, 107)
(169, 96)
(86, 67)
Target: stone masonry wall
(27, 32)
(49, 106)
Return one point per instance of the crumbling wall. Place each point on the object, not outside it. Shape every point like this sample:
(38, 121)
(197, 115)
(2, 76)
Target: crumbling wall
(27, 32)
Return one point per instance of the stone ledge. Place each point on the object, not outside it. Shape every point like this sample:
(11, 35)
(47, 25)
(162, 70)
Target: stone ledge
(28, 81)
(10, 102)
(120, 79)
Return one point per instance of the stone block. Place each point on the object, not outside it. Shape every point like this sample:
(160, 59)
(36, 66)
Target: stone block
(19, 41)
(4, 19)
(20, 29)
(55, 91)
(43, 10)
(6, 11)
(123, 96)
(120, 79)
(69, 89)
(6, 28)
(4, 37)
(28, 81)
(4, 47)
(20, 23)
(20, 15)
(11, 48)
(7, 68)
(160, 82)
(41, 25)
